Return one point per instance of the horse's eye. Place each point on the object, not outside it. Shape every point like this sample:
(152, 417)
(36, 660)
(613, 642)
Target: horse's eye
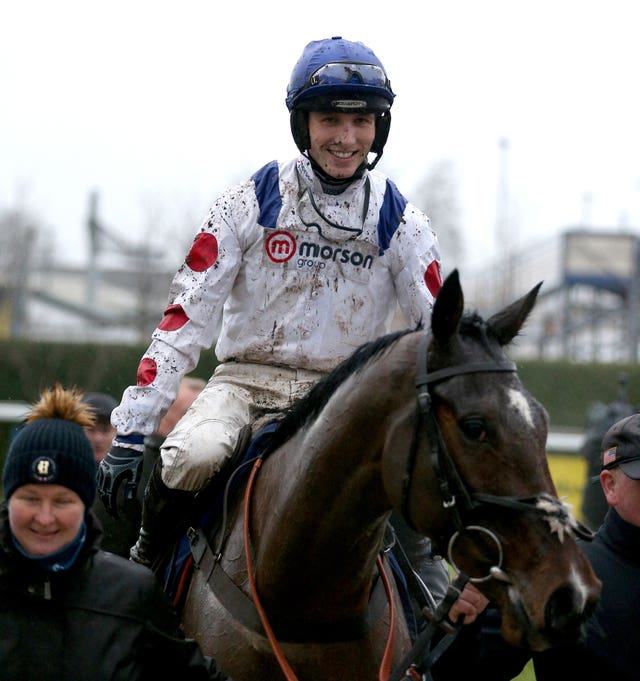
(473, 427)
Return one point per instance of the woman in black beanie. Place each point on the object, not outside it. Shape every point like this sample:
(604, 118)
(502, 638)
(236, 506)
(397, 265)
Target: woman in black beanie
(69, 611)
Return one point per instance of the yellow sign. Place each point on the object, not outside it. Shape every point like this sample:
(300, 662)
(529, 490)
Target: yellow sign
(569, 473)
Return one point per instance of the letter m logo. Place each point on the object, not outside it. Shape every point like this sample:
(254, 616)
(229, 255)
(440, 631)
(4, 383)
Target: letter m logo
(280, 246)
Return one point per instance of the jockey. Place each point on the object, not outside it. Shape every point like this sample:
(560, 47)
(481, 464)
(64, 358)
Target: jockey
(289, 273)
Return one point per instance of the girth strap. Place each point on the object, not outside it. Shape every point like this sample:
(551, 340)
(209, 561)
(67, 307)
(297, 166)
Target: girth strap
(242, 608)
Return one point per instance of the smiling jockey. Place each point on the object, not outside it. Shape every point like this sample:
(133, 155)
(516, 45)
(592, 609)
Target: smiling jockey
(291, 271)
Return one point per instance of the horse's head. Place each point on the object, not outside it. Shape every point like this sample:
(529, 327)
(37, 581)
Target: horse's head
(480, 444)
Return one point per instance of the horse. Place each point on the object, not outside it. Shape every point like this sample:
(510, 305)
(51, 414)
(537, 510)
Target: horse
(434, 425)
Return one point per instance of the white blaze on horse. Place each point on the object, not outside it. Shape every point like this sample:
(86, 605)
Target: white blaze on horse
(438, 427)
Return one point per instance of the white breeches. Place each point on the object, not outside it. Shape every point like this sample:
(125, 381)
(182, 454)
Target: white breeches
(237, 394)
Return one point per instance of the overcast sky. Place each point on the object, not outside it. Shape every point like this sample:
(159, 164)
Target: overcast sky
(161, 105)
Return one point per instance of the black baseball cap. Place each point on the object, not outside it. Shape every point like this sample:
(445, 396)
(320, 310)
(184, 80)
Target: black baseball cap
(101, 404)
(621, 446)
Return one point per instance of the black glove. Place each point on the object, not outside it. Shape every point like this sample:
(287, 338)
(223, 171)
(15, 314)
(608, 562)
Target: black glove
(122, 466)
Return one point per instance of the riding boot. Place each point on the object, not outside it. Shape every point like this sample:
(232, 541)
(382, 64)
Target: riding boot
(166, 514)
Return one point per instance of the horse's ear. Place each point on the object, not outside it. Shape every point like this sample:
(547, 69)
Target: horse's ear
(506, 324)
(447, 310)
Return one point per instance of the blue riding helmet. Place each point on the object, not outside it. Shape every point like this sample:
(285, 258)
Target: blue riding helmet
(335, 74)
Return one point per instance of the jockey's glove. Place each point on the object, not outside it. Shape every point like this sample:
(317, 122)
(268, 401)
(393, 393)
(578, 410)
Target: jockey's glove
(121, 467)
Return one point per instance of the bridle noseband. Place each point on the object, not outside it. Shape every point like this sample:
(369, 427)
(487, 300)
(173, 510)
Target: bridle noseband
(456, 497)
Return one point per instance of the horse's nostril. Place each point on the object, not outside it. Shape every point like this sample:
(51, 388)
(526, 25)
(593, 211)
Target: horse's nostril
(564, 615)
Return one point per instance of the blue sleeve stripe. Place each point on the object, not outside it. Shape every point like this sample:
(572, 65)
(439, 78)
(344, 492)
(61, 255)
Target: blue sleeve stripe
(268, 193)
(391, 212)
(131, 439)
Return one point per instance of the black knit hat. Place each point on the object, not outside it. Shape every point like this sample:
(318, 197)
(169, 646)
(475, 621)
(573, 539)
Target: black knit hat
(51, 451)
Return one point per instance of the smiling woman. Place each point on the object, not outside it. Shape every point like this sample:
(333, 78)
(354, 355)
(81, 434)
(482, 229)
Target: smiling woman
(90, 612)
(45, 518)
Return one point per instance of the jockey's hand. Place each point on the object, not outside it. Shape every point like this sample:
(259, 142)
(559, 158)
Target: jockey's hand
(469, 604)
(121, 467)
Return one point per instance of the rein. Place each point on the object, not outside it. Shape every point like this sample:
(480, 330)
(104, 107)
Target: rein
(275, 646)
(385, 664)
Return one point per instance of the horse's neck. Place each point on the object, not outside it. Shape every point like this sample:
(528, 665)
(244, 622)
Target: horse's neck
(320, 536)
(326, 487)
(323, 504)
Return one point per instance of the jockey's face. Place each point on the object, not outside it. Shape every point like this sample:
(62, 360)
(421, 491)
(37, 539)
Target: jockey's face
(340, 142)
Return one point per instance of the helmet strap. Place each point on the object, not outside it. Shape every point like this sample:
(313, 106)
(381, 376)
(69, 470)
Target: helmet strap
(383, 125)
(299, 121)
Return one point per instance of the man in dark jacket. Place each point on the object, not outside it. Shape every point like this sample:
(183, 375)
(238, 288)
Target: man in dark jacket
(610, 650)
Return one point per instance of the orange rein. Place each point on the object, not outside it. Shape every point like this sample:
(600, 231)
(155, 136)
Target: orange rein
(385, 664)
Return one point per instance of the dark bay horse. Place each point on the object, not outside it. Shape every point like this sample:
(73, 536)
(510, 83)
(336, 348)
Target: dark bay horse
(439, 428)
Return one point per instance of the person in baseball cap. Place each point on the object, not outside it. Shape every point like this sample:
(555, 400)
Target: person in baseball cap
(101, 432)
(101, 404)
(621, 447)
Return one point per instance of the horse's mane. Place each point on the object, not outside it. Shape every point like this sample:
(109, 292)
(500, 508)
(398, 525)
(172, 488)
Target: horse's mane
(306, 408)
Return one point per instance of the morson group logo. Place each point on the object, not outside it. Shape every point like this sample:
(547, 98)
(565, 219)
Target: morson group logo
(282, 246)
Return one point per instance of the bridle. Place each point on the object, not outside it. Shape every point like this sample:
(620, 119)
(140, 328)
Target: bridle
(462, 505)
(459, 502)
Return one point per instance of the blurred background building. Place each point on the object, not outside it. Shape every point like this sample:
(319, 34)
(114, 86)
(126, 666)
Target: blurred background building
(588, 309)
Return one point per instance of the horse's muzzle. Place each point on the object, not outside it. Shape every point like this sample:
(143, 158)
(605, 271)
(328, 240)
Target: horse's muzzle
(565, 613)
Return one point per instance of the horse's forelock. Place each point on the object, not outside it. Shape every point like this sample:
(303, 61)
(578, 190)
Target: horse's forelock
(474, 326)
